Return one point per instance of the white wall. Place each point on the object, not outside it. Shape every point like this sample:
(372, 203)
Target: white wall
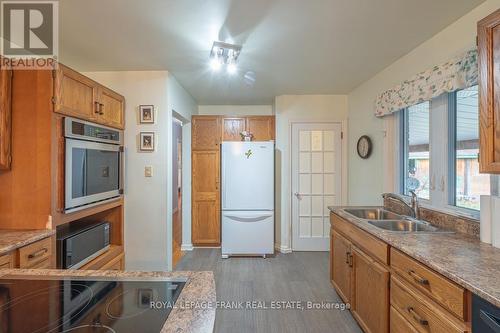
(148, 201)
(145, 198)
(297, 108)
(236, 110)
(364, 187)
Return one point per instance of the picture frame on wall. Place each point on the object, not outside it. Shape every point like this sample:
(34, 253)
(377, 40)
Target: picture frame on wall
(147, 114)
(147, 141)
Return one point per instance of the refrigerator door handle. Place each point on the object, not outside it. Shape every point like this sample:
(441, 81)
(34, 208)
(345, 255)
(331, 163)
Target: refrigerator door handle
(248, 218)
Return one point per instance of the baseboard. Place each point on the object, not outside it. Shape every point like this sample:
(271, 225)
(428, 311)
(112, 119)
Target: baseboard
(282, 249)
(187, 247)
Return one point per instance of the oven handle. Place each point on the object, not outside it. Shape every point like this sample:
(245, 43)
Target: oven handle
(490, 320)
(121, 171)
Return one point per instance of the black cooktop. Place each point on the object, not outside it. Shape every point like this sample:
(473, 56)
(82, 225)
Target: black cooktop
(82, 305)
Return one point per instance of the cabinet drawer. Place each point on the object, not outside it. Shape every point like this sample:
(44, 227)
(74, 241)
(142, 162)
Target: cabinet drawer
(115, 264)
(399, 323)
(42, 264)
(420, 311)
(443, 291)
(7, 260)
(31, 255)
(371, 245)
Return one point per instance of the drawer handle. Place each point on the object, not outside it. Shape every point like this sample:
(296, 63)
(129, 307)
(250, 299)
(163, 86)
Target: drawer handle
(350, 260)
(415, 316)
(347, 254)
(418, 278)
(38, 253)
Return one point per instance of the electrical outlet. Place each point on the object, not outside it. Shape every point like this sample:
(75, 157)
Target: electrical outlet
(148, 171)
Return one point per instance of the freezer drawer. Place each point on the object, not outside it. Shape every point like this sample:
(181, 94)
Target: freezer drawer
(247, 232)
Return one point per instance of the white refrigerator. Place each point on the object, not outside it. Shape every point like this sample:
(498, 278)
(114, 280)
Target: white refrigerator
(247, 198)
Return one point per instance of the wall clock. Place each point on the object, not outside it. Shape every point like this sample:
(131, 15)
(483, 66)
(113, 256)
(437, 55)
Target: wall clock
(364, 146)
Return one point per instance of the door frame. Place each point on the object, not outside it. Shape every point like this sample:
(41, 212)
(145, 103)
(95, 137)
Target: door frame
(287, 229)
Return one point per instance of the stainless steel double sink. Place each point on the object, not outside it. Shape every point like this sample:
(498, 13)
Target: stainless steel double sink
(390, 221)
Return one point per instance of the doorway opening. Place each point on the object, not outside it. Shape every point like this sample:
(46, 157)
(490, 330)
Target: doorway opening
(177, 191)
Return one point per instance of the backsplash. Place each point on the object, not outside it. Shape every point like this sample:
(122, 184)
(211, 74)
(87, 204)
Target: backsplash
(464, 225)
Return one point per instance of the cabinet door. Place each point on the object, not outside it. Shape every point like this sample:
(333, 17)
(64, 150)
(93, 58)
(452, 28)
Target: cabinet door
(370, 293)
(232, 128)
(206, 132)
(262, 127)
(5, 117)
(75, 94)
(205, 198)
(111, 108)
(489, 92)
(340, 252)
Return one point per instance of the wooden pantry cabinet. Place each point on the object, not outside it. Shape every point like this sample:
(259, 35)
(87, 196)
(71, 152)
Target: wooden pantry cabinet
(390, 291)
(207, 134)
(78, 96)
(205, 180)
(488, 40)
(5, 116)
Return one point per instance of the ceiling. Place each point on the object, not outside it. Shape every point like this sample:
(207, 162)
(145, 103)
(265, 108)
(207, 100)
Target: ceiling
(292, 46)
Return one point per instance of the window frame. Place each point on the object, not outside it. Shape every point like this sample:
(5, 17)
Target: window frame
(442, 155)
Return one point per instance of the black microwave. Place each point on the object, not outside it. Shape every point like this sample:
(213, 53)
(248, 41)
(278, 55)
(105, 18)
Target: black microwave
(79, 243)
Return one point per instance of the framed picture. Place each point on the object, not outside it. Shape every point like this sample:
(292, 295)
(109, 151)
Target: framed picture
(147, 141)
(147, 114)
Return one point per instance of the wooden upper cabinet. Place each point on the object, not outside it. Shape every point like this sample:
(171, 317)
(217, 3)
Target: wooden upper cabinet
(5, 117)
(262, 127)
(206, 132)
(489, 92)
(111, 108)
(232, 128)
(78, 96)
(75, 94)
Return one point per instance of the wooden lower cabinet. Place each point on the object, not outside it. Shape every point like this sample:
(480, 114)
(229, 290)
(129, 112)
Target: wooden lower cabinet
(370, 292)
(205, 198)
(421, 312)
(405, 296)
(340, 267)
(7, 260)
(399, 324)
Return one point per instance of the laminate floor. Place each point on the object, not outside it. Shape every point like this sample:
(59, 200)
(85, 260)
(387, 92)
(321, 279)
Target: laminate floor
(299, 276)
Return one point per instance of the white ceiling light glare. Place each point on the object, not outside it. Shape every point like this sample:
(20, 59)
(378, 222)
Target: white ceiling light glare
(249, 78)
(224, 54)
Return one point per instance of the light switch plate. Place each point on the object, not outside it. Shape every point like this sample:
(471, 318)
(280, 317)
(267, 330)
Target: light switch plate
(148, 171)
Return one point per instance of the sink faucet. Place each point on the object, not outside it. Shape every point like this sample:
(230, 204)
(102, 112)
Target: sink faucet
(413, 206)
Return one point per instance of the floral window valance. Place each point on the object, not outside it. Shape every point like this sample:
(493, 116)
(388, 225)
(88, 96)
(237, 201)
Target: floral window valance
(458, 73)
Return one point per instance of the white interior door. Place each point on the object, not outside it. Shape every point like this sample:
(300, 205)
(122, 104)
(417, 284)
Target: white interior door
(316, 183)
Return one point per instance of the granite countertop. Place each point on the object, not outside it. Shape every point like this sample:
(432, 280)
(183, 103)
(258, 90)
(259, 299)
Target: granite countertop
(199, 289)
(461, 258)
(14, 239)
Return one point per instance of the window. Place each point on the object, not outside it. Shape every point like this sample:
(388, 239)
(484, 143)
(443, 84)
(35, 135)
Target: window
(439, 146)
(416, 158)
(469, 184)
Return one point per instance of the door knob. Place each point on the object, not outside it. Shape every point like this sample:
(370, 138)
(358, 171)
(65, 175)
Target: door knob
(298, 195)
